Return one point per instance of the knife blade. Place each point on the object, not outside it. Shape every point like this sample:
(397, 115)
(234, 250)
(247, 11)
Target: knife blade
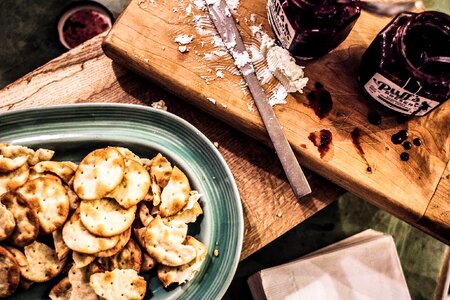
(226, 26)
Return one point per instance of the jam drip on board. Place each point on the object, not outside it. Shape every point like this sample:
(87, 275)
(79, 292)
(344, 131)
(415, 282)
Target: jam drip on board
(323, 140)
(401, 137)
(320, 100)
(356, 140)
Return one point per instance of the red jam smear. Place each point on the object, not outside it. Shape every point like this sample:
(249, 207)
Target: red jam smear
(83, 25)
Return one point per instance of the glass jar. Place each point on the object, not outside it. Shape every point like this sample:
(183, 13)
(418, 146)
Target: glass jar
(311, 28)
(406, 68)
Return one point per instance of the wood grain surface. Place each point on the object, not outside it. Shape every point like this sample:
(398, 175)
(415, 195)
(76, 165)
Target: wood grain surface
(85, 74)
(416, 191)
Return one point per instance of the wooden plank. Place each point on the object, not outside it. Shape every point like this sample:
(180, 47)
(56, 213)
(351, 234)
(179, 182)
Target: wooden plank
(143, 40)
(85, 74)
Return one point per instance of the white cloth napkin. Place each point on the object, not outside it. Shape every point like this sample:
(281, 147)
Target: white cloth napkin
(364, 266)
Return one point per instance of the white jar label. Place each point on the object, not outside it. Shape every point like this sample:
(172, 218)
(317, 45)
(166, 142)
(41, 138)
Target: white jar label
(398, 98)
(278, 20)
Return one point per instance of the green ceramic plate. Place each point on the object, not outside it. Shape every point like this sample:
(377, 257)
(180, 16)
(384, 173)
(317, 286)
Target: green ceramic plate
(74, 130)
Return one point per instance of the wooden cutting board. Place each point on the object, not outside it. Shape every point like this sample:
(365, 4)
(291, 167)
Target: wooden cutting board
(417, 191)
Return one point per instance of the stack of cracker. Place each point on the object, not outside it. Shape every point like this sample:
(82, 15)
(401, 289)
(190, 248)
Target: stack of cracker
(111, 218)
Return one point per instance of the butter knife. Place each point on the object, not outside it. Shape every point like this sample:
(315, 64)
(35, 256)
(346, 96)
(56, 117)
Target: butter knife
(226, 26)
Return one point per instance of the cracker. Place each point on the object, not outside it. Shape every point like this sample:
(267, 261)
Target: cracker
(11, 164)
(139, 234)
(144, 214)
(62, 251)
(82, 260)
(71, 165)
(134, 186)
(7, 222)
(12, 180)
(127, 153)
(148, 263)
(74, 201)
(40, 155)
(27, 223)
(98, 173)
(176, 194)
(43, 264)
(130, 257)
(161, 169)
(123, 240)
(164, 242)
(119, 284)
(169, 275)
(188, 215)
(81, 289)
(156, 192)
(79, 239)
(105, 217)
(60, 169)
(62, 290)
(49, 200)
(9, 273)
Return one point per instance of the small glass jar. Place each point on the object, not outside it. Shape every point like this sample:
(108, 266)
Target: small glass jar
(311, 28)
(406, 67)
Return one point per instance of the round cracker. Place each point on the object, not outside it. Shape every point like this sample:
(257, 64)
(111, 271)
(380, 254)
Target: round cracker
(79, 239)
(60, 169)
(164, 242)
(62, 290)
(169, 275)
(176, 193)
(99, 173)
(123, 240)
(9, 273)
(130, 257)
(10, 164)
(43, 263)
(134, 186)
(49, 199)
(12, 180)
(27, 223)
(81, 260)
(148, 263)
(7, 222)
(105, 217)
(161, 170)
(127, 153)
(144, 214)
(119, 284)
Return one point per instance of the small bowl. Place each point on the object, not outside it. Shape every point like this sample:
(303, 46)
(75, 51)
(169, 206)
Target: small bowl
(81, 21)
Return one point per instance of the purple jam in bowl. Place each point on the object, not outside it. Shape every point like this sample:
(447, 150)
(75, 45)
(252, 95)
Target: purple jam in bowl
(404, 68)
(311, 28)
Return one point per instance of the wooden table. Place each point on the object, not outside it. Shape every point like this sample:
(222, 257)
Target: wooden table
(85, 74)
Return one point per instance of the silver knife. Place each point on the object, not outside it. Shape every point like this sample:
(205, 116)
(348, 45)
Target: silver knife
(226, 26)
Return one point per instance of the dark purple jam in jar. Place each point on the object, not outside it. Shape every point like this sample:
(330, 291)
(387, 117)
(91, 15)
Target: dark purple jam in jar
(311, 28)
(407, 66)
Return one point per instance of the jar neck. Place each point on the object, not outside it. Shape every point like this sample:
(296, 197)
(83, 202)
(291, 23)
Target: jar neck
(433, 21)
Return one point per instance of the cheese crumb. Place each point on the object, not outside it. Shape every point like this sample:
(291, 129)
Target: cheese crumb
(279, 215)
(183, 49)
(220, 74)
(216, 252)
(213, 101)
(184, 39)
(216, 144)
(188, 10)
(159, 105)
(241, 58)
